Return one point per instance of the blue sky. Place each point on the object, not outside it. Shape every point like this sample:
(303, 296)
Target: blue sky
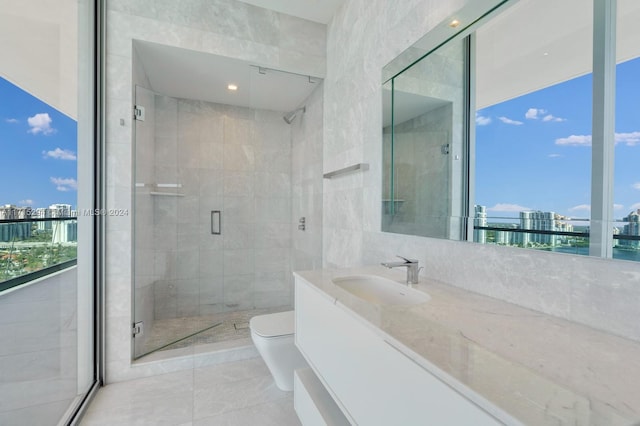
(534, 152)
(38, 151)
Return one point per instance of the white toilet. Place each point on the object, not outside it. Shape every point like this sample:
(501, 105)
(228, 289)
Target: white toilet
(273, 336)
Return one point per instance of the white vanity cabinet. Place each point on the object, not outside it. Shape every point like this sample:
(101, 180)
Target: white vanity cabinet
(373, 382)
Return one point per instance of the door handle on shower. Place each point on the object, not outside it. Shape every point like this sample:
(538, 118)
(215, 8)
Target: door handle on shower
(216, 222)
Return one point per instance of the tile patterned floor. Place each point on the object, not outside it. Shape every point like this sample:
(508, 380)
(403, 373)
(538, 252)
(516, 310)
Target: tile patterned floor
(236, 393)
(233, 325)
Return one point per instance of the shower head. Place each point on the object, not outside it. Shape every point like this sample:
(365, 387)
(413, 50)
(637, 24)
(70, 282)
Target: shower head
(291, 115)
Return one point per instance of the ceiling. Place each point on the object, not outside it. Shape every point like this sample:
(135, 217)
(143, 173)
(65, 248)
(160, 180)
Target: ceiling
(516, 44)
(189, 74)
(320, 11)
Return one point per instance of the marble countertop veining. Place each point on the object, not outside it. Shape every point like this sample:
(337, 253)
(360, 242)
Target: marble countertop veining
(539, 369)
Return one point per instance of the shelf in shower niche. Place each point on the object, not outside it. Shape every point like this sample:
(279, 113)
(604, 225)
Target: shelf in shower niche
(166, 194)
(158, 185)
(356, 167)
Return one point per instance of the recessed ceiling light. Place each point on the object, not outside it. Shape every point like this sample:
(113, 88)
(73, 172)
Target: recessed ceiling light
(454, 23)
(232, 87)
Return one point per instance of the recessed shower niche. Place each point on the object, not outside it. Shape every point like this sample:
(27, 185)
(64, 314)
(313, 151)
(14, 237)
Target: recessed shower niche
(213, 232)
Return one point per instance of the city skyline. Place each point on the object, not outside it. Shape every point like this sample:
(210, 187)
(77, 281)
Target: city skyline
(39, 151)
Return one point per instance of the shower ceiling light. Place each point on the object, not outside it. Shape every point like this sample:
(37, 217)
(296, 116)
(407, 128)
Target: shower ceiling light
(454, 23)
(232, 87)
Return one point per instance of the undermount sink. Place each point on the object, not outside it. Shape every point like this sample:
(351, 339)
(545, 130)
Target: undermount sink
(380, 291)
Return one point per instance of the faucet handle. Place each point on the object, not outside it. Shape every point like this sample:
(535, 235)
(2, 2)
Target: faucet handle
(407, 260)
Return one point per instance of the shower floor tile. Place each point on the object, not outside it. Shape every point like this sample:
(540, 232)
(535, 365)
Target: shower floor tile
(202, 330)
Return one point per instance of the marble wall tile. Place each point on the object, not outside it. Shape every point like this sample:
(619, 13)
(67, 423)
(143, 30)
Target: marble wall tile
(238, 209)
(272, 209)
(210, 157)
(272, 260)
(238, 291)
(238, 184)
(239, 262)
(239, 157)
(239, 236)
(210, 182)
(272, 184)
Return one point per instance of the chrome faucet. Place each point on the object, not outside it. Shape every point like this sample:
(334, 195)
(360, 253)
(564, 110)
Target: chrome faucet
(410, 264)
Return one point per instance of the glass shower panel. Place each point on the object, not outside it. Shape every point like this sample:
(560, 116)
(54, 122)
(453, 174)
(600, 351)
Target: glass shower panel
(166, 262)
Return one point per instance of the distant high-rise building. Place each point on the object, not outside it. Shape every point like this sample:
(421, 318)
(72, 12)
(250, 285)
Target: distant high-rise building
(480, 220)
(10, 211)
(60, 210)
(632, 228)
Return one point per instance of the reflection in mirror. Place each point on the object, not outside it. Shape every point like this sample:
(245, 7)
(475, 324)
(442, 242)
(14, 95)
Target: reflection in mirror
(424, 146)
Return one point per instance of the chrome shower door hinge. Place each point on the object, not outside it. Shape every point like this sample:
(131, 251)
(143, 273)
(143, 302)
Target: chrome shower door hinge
(138, 329)
(138, 112)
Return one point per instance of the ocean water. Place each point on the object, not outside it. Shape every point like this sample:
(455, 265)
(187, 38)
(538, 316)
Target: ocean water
(633, 255)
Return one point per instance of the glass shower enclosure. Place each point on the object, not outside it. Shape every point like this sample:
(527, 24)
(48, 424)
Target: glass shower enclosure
(212, 220)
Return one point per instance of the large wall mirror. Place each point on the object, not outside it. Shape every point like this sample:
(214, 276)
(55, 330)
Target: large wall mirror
(496, 135)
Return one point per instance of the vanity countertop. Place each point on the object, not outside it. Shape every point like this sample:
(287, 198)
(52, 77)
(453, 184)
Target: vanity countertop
(536, 368)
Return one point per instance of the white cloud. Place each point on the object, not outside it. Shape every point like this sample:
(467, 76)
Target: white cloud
(575, 140)
(482, 120)
(536, 113)
(631, 139)
(581, 207)
(504, 207)
(510, 121)
(65, 184)
(533, 113)
(60, 154)
(25, 202)
(40, 123)
(618, 207)
(550, 117)
(12, 120)
(554, 155)
(635, 206)
(636, 185)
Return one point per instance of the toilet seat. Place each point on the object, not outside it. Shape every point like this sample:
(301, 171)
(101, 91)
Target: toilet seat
(273, 325)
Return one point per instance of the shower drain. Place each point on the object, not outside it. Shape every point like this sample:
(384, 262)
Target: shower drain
(240, 325)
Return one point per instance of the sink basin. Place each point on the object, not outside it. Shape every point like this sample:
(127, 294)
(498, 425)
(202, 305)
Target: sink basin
(380, 291)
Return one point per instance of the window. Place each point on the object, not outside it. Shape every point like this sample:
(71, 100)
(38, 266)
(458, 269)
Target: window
(38, 229)
(533, 124)
(626, 242)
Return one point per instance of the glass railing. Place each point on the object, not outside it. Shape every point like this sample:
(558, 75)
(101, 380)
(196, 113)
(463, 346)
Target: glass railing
(32, 248)
(562, 237)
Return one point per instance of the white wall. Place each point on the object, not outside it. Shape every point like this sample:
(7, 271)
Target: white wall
(222, 27)
(39, 349)
(363, 37)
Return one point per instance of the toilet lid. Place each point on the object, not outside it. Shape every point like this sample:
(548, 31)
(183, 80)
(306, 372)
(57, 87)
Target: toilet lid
(273, 325)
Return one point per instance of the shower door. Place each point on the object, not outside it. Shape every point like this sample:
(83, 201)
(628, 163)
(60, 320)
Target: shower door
(167, 231)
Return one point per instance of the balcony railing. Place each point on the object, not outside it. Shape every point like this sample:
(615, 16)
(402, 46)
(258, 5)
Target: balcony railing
(32, 248)
(625, 246)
